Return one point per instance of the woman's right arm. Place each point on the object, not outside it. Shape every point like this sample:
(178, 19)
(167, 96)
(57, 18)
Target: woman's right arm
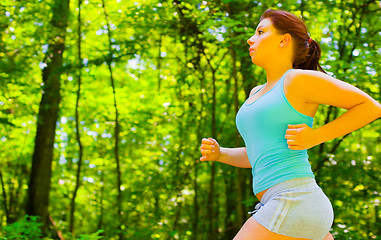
(211, 151)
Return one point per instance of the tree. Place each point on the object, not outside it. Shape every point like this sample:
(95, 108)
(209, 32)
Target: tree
(150, 80)
(39, 184)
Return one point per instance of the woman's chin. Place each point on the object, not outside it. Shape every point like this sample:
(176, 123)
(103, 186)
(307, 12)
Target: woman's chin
(255, 62)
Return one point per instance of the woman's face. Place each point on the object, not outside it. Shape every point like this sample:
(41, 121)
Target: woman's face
(264, 45)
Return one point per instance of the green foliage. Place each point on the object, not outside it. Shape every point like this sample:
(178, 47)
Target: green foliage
(166, 58)
(27, 228)
(92, 236)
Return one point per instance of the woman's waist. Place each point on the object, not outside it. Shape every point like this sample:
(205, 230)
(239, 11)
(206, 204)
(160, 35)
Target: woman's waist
(263, 180)
(300, 184)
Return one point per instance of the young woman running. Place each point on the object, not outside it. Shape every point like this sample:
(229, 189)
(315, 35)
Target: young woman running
(276, 125)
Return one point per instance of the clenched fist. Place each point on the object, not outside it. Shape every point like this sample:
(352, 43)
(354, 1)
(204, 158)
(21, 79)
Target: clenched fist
(301, 136)
(210, 150)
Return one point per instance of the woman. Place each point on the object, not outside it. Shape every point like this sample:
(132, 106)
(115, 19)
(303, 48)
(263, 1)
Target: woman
(276, 125)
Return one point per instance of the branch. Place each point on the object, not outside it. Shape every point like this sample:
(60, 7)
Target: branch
(59, 233)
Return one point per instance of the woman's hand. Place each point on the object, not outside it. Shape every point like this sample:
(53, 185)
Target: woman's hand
(300, 137)
(210, 150)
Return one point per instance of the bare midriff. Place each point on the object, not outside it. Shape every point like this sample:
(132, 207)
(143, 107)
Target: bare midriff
(260, 194)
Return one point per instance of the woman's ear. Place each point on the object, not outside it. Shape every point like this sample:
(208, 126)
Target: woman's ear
(286, 40)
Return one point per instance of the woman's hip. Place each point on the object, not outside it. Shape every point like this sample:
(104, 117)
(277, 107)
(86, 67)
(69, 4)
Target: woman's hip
(296, 208)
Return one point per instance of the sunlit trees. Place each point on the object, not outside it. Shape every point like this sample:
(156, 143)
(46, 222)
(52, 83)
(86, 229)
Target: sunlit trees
(180, 70)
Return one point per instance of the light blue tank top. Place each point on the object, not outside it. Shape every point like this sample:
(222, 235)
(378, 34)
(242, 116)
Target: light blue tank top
(263, 125)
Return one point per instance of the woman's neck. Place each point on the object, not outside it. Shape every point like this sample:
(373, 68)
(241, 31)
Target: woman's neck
(275, 72)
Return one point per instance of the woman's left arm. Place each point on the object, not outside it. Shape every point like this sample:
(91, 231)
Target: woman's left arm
(319, 88)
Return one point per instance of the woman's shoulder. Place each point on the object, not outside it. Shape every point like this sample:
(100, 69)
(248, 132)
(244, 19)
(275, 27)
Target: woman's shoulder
(302, 77)
(304, 73)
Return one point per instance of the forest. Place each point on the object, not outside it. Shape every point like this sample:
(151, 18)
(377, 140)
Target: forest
(104, 103)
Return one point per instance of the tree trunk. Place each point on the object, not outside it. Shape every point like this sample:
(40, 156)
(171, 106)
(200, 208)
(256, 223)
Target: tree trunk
(211, 211)
(117, 128)
(195, 232)
(5, 198)
(39, 184)
(159, 65)
(101, 197)
(78, 136)
(239, 171)
(179, 158)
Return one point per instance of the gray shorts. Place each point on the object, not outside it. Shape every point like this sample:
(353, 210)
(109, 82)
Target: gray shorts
(296, 208)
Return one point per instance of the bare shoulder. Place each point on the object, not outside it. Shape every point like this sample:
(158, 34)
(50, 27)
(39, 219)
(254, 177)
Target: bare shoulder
(316, 87)
(303, 81)
(256, 88)
(302, 76)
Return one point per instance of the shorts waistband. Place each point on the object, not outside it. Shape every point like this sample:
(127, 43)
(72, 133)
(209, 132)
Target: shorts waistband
(294, 185)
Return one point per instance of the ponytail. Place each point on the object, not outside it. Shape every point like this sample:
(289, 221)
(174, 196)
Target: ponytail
(311, 61)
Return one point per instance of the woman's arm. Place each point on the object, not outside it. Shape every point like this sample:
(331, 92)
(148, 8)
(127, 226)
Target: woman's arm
(234, 156)
(319, 88)
(211, 151)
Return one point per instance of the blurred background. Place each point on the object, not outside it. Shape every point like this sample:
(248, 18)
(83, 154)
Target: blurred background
(104, 103)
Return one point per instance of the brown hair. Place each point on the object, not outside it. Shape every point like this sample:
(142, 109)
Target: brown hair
(306, 51)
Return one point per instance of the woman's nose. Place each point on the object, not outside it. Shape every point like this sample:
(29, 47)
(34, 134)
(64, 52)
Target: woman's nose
(250, 41)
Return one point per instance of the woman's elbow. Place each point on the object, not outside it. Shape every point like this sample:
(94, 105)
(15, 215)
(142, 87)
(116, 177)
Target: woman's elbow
(378, 110)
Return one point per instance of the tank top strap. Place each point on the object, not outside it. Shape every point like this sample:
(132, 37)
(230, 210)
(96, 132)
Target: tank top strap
(278, 89)
(258, 90)
(284, 76)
